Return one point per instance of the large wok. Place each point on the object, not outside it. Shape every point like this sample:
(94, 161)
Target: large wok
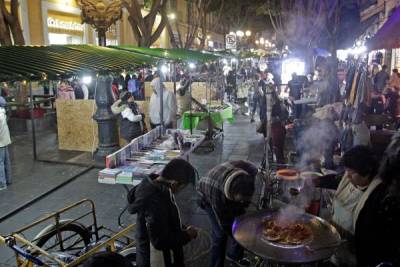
(247, 230)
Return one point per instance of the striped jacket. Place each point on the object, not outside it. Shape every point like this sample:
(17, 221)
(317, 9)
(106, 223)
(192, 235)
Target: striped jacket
(211, 189)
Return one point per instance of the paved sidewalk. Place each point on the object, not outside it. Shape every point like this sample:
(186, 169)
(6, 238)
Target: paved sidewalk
(32, 178)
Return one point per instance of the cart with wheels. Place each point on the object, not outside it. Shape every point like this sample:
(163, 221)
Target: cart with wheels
(58, 240)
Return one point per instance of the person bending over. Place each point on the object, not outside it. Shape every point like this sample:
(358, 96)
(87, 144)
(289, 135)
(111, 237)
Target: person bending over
(225, 193)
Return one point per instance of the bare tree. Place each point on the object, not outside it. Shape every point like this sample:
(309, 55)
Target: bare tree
(177, 37)
(298, 23)
(235, 13)
(302, 24)
(10, 28)
(142, 26)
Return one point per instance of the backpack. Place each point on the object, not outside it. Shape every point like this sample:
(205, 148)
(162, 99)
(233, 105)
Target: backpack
(132, 86)
(78, 92)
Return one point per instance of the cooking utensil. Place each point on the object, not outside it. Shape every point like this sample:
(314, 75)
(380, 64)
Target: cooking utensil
(287, 174)
(310, 175)
(247, 230)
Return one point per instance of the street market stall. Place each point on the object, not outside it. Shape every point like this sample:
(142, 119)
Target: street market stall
(25, 64)
(218, 115)
(147, 154)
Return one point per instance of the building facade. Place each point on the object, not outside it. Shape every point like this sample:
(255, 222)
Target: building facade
(46, 22)
(375, 13)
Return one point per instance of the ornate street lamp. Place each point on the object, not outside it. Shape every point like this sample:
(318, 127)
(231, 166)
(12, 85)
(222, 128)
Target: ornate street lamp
(101, 15)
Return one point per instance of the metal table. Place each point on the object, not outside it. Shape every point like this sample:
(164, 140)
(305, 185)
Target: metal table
(247, 230)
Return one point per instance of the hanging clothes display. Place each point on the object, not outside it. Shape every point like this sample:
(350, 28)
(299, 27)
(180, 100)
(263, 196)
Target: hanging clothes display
(361, 88)
(349, 79)
(354, 87)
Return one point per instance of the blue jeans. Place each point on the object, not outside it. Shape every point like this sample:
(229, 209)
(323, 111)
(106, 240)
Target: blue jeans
(219, 242)
(5, 166)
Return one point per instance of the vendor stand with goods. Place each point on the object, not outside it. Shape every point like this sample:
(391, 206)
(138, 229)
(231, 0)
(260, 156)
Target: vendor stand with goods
(147, 154)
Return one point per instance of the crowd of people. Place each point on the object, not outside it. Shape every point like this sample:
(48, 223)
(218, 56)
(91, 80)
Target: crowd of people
(366, 211)
(366, 202)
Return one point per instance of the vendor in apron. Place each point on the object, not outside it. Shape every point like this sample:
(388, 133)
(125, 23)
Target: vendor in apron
(353, 191)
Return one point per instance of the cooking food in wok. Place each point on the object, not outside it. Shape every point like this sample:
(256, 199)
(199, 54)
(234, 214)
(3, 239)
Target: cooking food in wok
(287, 234)
(287, 174)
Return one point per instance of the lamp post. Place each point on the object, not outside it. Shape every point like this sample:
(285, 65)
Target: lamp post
(101, 15)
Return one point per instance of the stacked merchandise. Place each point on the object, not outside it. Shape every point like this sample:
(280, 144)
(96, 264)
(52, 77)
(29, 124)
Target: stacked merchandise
(126, 175)
(108, 176)
(145, 155)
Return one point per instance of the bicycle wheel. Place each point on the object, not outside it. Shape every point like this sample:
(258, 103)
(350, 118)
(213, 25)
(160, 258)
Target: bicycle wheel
(74, 237)
(130, 254)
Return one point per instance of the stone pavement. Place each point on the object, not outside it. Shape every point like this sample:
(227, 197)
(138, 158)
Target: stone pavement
(31, 178)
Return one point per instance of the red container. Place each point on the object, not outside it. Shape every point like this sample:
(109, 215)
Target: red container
(26, 114)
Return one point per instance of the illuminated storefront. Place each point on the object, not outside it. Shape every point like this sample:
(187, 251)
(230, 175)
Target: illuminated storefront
(396, 58)
(111, 35)
(64, 28)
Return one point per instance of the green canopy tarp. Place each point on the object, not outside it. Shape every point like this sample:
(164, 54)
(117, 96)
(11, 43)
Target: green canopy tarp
(175, 54)
(62, 61)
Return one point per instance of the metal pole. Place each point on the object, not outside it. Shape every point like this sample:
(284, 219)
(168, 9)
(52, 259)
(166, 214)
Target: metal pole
(32, 123)
(268, 110)
(106, 120)
(190, 105)
(161, 99)
(174, 66)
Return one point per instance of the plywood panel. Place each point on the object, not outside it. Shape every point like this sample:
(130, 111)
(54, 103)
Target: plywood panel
(144, 108)
(200, 90)
(76, 128)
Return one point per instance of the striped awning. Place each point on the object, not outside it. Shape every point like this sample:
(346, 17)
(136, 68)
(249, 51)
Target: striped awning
(174, 54)
(62, 61)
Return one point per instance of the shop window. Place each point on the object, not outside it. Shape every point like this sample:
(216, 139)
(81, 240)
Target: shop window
(108, 41)
(62, 38)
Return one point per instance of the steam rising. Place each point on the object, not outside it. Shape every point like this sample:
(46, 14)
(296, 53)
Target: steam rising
(312, 146)
(320, 137)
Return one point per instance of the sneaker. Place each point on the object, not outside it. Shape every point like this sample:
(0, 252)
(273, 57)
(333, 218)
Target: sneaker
(2, 187)
(241, 263)
(252, 120)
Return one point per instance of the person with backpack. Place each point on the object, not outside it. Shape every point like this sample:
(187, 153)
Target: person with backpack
(80, 89)
(184, 94)
(279, 116)
(131, 120)
(134, 86)
(162, 239)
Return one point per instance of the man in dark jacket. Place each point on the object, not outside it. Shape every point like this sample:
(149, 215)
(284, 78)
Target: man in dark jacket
(226, 192)
(231, 86)
(381, 78)
(158, 219)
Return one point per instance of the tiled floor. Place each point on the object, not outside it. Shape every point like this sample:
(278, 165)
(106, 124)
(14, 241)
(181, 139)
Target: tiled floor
(32, 178)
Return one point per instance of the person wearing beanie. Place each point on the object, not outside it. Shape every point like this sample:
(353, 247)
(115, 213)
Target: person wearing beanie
(225, 193)
(5, 140)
